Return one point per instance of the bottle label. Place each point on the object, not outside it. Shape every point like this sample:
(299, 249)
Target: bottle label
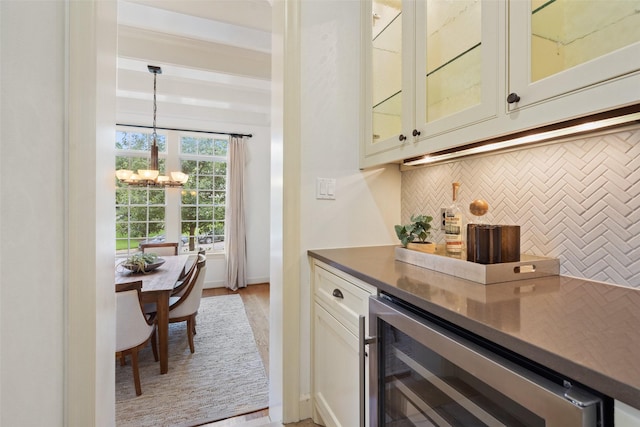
(453, 233)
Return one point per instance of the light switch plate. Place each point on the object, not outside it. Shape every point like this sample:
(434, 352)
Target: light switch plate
(325, 189)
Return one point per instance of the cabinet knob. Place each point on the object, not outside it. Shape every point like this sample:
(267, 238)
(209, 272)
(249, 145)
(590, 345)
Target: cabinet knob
(513, 98)
(415, 132)
(402, 137)
(337, 293)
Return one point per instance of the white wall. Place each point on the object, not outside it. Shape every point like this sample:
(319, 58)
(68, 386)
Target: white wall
(32, 213)
(367, 203)
(56, 296)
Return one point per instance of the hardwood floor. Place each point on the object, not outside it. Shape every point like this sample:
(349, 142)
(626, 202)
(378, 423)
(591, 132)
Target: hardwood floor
(256, 303)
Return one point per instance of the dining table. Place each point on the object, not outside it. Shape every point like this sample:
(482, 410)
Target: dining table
(157, 286)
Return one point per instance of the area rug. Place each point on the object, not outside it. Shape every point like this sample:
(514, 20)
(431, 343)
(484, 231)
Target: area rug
(225, 376)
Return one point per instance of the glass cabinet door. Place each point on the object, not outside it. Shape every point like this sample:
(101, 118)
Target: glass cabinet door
(456, 63)
(559, 46)
(386, 69)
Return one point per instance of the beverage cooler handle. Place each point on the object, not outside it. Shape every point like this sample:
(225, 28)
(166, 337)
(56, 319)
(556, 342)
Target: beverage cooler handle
(364, 340)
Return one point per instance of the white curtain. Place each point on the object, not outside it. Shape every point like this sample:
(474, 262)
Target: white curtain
(235, 239)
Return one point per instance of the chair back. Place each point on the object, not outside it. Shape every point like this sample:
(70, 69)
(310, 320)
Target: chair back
(132, 327)
(162, 249)
(189, 302)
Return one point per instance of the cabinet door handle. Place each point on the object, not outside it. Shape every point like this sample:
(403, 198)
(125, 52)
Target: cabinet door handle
(337, 293)
(415, 132)
(402, 137)
(363, 340)
(513, 98)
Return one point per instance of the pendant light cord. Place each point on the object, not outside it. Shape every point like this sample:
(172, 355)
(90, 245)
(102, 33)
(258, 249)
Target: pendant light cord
(155, 108)
(154, 148)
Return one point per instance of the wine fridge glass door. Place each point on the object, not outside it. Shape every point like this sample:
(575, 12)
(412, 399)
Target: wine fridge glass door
(426, 375)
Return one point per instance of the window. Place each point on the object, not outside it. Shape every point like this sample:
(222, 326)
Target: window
(140, 211)
(193, 215)
(202, 210)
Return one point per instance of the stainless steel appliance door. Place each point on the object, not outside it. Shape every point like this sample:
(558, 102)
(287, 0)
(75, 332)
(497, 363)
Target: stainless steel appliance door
(422, 374)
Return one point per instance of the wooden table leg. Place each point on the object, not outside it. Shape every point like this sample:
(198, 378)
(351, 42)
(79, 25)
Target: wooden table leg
(162, 307)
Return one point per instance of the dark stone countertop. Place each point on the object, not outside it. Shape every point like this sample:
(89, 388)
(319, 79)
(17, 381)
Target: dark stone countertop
(588, 331)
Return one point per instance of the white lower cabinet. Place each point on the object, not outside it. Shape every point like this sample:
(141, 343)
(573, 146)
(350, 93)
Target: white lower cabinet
(339, 301)
(625, 415)
(335, 371)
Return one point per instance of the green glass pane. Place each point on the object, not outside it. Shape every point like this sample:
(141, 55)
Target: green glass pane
(206, 147)
(122, 214)
(138, 213)
(157, 196)
(138, 230)
(205, 197)
(122, 229)
(205, 182)
(205, 213)
(156, 213)
(205, 168)
(189, 197)
(205, 227)
(220, 197)
(219, 213)
(137, 141)
(218, 227)
(190, 167)
(220, 168)
(220, 183)
(156, 228)
(188, 213)
(189, 145)
(191, 182)
(122, 244)
(138, 196)
(122, 196)
(220, 147)
(136, 163)
(188, 227)
(122, 162)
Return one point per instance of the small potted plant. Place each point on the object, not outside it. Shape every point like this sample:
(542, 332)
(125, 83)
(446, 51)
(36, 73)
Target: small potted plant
(415, 234)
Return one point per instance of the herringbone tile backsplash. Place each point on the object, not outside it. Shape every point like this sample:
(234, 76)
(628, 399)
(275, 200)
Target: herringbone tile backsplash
(578, 201)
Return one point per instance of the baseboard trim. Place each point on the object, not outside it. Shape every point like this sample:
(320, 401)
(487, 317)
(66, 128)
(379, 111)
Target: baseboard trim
(221, 284)
(304, 407)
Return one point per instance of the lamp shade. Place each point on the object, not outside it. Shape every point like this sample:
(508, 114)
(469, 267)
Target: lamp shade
(124, 174)
(180, 177)
(148, 174)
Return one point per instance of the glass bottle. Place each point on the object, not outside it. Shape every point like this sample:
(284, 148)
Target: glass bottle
(453, 224)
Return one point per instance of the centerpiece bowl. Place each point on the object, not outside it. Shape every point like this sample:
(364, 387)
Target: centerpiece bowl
(142, 263)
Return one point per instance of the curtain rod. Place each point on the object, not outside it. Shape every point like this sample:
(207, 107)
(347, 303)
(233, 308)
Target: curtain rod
(187, 130)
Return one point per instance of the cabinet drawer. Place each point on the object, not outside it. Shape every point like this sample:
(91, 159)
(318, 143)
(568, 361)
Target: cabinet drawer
(344, 299)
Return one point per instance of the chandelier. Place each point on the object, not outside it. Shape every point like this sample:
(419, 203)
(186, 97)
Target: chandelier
(151, 176)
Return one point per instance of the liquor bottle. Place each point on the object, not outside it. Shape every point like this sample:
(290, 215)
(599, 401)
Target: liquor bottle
(453, 224)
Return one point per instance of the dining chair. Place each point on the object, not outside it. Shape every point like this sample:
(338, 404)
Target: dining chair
(185, 308)
(189, 269)
(167, 248)
(133, 328)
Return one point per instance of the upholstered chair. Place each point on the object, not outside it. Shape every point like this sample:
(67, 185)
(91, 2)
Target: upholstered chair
(134, 329)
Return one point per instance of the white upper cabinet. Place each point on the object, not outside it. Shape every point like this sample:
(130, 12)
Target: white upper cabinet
(384, 65)
(442, 74)
(559, 47)
(431, 67)
(455, 64)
